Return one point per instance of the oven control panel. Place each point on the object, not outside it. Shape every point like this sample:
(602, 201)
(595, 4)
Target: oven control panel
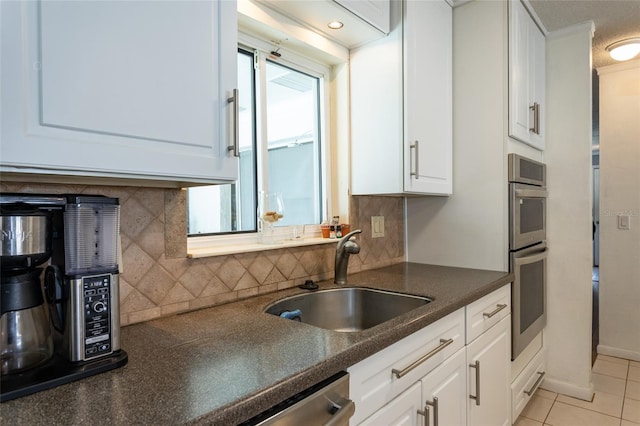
(97, 316)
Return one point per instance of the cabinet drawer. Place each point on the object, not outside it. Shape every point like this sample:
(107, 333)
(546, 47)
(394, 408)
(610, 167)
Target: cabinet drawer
(403, 410)
(375, 380)
(526, 383)
(486, 312)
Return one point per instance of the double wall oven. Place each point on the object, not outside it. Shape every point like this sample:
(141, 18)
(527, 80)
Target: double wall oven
(527, 249)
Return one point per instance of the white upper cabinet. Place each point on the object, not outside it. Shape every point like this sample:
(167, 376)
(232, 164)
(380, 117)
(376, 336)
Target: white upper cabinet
(401, 104)
(119, 89)
(526, 78)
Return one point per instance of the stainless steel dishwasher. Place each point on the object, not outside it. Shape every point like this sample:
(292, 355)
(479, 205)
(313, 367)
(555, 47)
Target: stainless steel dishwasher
(326, 403)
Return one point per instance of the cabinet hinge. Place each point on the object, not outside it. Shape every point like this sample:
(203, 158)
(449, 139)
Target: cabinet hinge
(256, 60)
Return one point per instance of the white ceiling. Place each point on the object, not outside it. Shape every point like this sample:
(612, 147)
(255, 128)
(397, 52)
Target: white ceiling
(614, 20)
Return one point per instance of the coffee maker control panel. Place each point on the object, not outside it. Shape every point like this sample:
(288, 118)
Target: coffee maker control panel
(97, 321)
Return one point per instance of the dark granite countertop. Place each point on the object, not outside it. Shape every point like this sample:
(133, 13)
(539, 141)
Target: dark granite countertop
(225, 364)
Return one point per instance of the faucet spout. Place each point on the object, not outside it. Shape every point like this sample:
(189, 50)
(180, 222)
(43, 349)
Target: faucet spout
(344, 248)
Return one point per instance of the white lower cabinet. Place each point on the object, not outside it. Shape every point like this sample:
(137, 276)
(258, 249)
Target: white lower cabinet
(438, 398)
(443, 392)
(526, 383)
(432, 378)
(401, 411)
(489, 358)
(377, 380)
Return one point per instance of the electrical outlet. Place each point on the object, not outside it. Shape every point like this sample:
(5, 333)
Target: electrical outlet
(377, 226)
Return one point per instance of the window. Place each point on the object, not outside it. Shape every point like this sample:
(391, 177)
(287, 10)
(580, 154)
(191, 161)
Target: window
(281, 148)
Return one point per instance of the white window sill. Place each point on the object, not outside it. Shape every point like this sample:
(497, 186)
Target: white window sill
(220, 250)
(208, 246)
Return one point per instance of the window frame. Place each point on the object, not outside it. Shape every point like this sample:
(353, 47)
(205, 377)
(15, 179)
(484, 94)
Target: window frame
(244, 241)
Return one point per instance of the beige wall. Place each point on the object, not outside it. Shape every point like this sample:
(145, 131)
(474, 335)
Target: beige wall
(620, 194)
(158, 280)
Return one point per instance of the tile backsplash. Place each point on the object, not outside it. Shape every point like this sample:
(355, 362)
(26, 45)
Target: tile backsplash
(158, 279)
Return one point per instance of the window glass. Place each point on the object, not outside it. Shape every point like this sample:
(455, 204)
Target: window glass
(293, 142)
(231, 208)
(288, 161)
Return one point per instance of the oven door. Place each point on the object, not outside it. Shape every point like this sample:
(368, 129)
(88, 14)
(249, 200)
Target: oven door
(527, 215)
(528, 296)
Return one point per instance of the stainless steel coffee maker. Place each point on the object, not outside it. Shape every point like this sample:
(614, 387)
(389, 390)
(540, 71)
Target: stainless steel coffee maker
(77, 236)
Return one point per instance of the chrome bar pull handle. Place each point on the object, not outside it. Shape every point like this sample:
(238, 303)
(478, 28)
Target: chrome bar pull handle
(536, 118)
(433, 404)
(416, 147)
(235, 145)
(535, 385)
(476, 365)
(498, 308)
(401, 373)
(425, 413)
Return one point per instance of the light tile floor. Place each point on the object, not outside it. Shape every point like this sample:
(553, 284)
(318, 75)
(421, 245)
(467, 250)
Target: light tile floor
(616, 401)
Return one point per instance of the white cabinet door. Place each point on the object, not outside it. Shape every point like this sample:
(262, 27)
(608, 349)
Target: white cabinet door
(488, 359)
(407, 99)
(538, 83)
(444, 391)
(526, 77)
(428, 116)
(401, 411)
(519, 71)
(119, 88)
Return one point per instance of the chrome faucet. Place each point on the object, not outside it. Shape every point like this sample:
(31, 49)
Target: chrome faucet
(343, 250)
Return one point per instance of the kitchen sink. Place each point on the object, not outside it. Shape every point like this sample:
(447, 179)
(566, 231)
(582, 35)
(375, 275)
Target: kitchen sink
(346, 309)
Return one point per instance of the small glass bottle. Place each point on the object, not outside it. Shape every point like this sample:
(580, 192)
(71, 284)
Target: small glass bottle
(332, 232)
(338, 231)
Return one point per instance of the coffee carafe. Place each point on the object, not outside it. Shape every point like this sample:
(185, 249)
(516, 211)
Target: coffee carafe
(25, 336)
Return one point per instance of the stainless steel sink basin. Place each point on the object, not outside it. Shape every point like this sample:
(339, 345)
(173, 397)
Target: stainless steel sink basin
(346, 309)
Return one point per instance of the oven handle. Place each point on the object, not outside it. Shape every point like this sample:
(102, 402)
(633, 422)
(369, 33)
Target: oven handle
(531, 193)
(532, 258)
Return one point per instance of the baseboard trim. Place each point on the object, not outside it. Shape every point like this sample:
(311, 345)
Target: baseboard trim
(618, 353)
(569, 389)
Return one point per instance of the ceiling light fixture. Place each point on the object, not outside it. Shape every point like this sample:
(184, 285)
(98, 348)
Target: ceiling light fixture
(335, 25)
(624, 50)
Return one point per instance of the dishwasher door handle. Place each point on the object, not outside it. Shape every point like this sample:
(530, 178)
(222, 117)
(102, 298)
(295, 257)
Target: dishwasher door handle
(343, 414)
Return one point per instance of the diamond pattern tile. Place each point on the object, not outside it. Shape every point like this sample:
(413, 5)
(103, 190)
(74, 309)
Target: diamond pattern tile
(230, 272)
(196, 278)
(158, 279)
(156, 284)
(136, 219)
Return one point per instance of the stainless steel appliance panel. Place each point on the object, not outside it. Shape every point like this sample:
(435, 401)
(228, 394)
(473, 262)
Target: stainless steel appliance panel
(526, 170)
(527, 215)
(326, 403)
(528, 294)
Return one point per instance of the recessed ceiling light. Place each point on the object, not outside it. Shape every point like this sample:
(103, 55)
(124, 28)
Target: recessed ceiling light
(624, 50)
(335, 25)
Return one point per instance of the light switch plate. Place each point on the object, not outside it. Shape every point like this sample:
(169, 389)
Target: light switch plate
(377, 226)
(624, 221)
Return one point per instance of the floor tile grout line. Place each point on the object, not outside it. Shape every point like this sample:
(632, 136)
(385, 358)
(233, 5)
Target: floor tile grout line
(587, 409)
(624, 398)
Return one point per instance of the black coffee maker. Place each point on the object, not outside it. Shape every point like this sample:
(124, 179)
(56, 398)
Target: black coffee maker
(76, 237)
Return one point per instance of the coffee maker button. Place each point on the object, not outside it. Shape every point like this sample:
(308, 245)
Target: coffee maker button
(99, 307)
